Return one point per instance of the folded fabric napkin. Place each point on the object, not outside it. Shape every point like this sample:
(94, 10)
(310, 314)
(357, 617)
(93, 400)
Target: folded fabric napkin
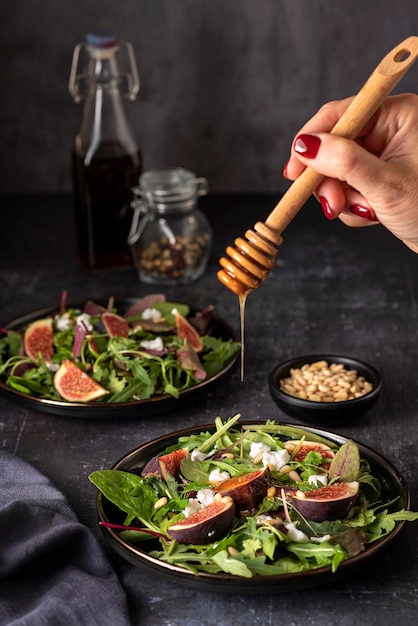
(53, 571)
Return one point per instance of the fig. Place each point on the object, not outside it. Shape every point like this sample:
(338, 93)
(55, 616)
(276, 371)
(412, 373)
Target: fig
(166, 464)
(249, 490)
(38, 339)
(205, 526)
(20, 368)
(311, 446)
(75, 385)
(115, 325)
(188, 359)
(186, 331)
(331, 502)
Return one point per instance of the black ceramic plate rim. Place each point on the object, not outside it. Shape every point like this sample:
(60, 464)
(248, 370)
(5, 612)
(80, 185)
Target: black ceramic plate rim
(137, 408)
(259, 584)
(311, 358)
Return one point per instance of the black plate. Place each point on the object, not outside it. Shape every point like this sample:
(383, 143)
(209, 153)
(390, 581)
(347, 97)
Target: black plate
(393, 486)
(138, 408)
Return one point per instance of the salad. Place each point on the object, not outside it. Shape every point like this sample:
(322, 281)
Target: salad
(257, 500)
(93, 352)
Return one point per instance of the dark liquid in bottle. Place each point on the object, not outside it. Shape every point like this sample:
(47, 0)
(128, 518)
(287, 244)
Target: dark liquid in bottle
(103, 193)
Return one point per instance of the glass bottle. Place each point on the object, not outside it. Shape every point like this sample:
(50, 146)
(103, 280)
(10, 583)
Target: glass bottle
(106, 162)
(170, 237)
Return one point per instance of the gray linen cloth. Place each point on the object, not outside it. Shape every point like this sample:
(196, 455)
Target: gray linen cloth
(53, 571)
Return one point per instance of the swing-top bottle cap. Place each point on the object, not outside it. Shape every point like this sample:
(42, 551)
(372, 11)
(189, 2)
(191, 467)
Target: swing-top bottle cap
(102, 41)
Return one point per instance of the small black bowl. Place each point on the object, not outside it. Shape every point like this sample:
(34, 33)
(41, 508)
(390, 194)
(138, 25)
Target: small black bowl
(324, 413)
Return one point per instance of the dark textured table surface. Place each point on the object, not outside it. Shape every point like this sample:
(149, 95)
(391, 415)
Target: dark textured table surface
(334, 289)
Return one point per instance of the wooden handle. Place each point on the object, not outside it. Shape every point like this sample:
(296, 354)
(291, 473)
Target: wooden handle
(381, 82)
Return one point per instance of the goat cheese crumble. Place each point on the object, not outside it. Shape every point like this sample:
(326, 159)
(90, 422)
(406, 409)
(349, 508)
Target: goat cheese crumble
(275, 459)
(153, 344)
(151, 314)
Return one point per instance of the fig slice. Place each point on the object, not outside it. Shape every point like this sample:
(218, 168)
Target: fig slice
(38, 339)
(115, 325)
(75, 385)
(248, 490)
(166, 464)
(331, 502)
(205, 526)
(186, 331)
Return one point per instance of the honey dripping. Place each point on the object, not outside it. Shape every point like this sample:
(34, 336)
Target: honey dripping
(242, 299)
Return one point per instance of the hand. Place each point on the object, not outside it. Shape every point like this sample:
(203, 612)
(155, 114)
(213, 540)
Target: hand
(372, 179)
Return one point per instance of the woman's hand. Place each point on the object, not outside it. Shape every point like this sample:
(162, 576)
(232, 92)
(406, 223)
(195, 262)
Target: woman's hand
(372, 179)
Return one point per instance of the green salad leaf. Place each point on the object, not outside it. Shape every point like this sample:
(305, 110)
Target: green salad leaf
(145, 363)
(272, 538)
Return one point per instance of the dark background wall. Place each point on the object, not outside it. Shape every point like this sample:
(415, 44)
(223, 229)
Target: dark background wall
(225, 83)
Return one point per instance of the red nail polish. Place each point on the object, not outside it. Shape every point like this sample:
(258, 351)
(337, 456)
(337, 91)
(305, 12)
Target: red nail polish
(307, 145)
(326, 208)
(362, 211)
(285, 169)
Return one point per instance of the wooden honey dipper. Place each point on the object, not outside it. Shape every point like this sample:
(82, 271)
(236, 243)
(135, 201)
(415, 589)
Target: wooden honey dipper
(252, 259)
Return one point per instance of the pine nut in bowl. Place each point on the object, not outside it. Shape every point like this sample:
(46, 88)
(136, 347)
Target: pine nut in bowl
(324, 389)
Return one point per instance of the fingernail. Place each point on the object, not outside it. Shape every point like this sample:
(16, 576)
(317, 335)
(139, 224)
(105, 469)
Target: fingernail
(326, 208)
(364, 212)
(285, 169)
(307, 145)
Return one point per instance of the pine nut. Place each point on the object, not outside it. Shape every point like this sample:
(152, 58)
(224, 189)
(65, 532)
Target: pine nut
(232, 551)
(320, 382)
(294, 476)
(227, 455)
(161, 502)
(271, 492)
(285, 469)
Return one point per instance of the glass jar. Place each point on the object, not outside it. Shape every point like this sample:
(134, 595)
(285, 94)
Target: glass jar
(170, 238)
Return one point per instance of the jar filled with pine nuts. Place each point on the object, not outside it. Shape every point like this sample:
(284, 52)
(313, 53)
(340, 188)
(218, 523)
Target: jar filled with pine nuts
(170, 238)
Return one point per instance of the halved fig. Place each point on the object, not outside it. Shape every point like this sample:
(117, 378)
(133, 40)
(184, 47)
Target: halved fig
(186, 331)
(20, 368)
(38, 339)
(75, 385)
(115, 325)
(330, 503)
(205, 526)
(311, 446)
(188, 359)
(249, 490)
(166, 464)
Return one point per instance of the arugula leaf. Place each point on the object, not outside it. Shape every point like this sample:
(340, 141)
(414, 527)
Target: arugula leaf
(258, 543)
(121, 365)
